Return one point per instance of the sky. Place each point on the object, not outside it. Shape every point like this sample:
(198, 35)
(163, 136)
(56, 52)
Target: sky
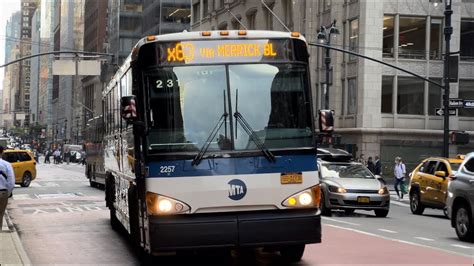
(8, 7)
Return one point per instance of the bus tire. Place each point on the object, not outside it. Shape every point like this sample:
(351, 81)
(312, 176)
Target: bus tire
(114, 222)
(292, 253)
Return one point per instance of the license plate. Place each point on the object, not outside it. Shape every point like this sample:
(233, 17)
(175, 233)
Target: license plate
(363, 199)
(293, 178)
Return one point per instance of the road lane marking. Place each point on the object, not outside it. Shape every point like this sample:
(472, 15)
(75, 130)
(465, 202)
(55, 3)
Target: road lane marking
(460, 246)
(388, 231)
(338, 221)
(399, 240)
(424, 238)
(353, 230)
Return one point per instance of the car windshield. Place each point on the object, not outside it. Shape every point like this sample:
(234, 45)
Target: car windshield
(187, 102)
(345, 171)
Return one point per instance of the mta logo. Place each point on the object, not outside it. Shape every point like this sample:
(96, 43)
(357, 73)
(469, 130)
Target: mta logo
(237, 189)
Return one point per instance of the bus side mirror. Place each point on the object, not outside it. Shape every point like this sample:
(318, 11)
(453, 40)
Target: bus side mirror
(128, 109)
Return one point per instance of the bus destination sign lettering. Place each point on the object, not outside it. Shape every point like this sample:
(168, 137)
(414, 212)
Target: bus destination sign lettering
(186, 51)
(195, 52)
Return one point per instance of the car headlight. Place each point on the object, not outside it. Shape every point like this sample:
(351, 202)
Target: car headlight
(336, 189)
(160, 205)
(383, 191)
(307, 198)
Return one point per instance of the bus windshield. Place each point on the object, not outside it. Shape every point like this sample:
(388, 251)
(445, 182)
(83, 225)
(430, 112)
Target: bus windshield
(187, 102)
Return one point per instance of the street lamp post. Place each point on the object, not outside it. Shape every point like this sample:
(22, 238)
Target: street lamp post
(324, 37)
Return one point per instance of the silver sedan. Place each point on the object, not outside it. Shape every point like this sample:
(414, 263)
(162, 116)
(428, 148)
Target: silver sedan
(349, 186)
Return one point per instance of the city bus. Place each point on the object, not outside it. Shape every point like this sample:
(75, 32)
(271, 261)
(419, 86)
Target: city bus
(209, 143)
(93, 148)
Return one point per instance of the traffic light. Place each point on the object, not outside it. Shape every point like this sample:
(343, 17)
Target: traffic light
(459, 137)
(326, 121)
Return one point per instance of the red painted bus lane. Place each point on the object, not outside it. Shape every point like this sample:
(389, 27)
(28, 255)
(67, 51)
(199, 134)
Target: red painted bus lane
(344, 246)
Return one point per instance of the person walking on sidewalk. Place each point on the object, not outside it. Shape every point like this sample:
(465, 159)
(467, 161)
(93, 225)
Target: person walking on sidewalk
(378, 166)
(7, 182)
(399, 172)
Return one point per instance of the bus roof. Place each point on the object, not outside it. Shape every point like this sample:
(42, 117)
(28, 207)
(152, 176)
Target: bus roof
(216, 35)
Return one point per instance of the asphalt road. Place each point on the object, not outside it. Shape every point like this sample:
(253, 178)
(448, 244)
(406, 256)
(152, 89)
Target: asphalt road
(61, 220)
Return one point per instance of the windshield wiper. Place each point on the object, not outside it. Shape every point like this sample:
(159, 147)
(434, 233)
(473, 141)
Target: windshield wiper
(222, 120)
(253, 136)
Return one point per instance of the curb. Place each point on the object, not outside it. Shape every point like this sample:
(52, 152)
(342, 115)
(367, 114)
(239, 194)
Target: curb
(16, 241)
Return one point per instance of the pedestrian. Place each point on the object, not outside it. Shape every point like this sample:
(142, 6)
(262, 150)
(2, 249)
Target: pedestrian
(378, 166)
(47, 154)
(399, 172)
(371, 165)
(362, 160)
(7, 182)
(67, 156)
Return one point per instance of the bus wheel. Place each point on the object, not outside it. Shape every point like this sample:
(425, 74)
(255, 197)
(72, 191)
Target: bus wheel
(114, 222)
(292, 253)
(92, 183)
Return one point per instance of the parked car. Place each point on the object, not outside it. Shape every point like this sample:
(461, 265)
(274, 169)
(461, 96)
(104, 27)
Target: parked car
(24, 165)
(429, 183)
(349, 186)
(460, 201)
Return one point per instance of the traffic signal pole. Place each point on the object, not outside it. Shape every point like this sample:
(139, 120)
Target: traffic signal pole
(448, 31)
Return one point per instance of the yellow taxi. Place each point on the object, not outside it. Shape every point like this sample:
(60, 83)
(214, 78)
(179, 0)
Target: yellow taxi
(429, 183)
(24, 165)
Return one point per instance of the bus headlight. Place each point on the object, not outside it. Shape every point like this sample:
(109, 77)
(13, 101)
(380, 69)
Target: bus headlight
(304, 199)
(160, 205)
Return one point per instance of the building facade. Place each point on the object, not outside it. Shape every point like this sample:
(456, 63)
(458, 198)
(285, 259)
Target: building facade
(95, 21)
(379, 110)
(22, 97)
(166, 16)
(68, 35)
(11, 77)
(124, 29)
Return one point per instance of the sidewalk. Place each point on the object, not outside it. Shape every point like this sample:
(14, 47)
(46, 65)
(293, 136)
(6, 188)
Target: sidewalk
(11, 248)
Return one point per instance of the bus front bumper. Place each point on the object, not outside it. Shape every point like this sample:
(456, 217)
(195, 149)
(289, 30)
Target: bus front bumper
(229, 230)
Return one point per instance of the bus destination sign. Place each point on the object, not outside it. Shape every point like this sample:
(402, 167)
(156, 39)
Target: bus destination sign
(197, 52)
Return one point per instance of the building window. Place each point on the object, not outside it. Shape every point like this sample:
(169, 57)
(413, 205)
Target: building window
(196, 13)
(236, 22)
(466, 91)
(436, 38)
(351, 96)
(412, 37)
(388, 33)
(410, 96)
(467, 39)
(251, 15)
(343, 99)
(434, 97)
(222, 26)
(353, 37)
(221, 3)
(288, 13)
(269, 17)
(387, 94)
(205, 7)
(326, 5)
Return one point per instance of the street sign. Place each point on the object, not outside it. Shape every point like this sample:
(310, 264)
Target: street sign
(468, 103)
(456, 103)
(440, 111)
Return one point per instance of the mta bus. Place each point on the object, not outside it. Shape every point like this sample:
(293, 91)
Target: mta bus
(93, 147)
(209, 143)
